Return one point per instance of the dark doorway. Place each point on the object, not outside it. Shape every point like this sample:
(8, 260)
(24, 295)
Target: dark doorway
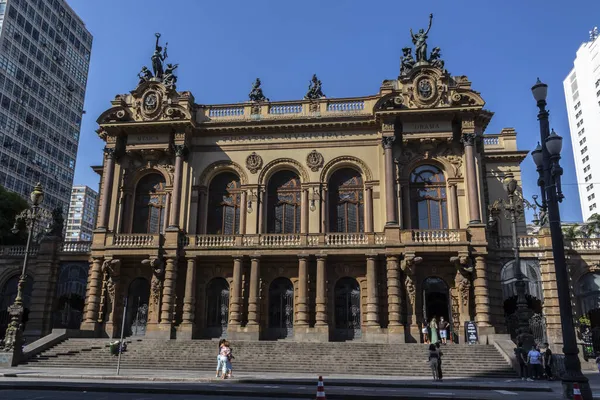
(281, 309)
(137, 307)
(217, 308)
(347, 309)
(435, 299)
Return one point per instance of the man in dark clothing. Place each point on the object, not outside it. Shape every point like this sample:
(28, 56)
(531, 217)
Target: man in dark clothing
(437, 345)
(547, 360)
(520, 355)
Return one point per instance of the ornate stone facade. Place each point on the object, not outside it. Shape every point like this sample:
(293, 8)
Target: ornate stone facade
(318, 219)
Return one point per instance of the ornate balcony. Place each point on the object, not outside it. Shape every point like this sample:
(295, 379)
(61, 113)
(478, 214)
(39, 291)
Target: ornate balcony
(76, 247)
(135, 240)
(17, 251)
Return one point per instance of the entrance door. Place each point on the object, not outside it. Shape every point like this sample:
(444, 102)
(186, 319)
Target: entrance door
(217, 308)
(347, 309)
(137, 307)
(281, 309)
(436, 302)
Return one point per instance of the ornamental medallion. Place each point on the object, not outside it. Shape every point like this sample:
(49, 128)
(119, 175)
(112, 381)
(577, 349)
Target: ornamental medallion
(150, 107)
(314, 160)
(254, 162)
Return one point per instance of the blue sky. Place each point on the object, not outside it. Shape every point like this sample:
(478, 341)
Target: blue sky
(222, 46)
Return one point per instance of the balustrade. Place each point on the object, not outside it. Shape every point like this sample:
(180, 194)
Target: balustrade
(585, 244)
(226, 112)
(285, 109)
(134, 240)
(214, 241)
(283, 240)
(346, 106)
(435, 236)
(491, 140)
(18, 251)
(76, 247)
(345, 239)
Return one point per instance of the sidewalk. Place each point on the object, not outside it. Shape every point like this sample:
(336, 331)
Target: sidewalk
(64, 375)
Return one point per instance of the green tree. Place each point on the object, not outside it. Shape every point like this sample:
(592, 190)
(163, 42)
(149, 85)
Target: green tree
(592, 228)
(11, 204)
(572, 232)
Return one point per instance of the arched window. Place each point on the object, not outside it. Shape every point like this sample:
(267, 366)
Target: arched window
(428, 195)
(223, 217)
(283, 201)
(149, 211)
(346, 202)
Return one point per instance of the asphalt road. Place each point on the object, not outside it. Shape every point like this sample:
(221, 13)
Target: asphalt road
(50, 395)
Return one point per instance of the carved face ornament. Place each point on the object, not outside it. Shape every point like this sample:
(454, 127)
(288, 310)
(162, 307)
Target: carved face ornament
(425, 89)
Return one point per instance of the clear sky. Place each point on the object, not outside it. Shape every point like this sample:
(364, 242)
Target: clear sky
(352, 45)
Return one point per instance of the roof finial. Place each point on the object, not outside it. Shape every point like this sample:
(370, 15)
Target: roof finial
(594, 33)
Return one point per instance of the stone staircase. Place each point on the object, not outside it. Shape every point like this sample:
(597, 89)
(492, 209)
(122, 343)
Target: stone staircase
(279, 356)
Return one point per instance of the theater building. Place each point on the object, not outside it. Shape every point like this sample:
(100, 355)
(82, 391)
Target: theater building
(319, 219)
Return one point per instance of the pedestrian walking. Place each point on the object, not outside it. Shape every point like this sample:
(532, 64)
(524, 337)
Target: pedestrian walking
(534, 359)
(434, 330)
(224, 359)
(598, 360)
(522, 360)
(444, 330)
(433, 361)
(547, 360)
(440, 354)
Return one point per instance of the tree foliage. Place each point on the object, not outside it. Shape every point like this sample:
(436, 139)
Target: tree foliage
(592, 228)
(11, 204)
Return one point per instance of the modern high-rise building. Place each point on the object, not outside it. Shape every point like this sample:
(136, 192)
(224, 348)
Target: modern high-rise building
(44, 61)
(82, 214)
(582, 93)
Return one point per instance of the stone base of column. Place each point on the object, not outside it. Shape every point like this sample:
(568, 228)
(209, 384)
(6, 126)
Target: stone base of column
(374, 334)
(237, 332)
(412, 334)
(185, 331)
(158, 331)
(112, 330)
(396, 334)
(317, 334)
(91, 327)
(486, 334)
(10, 359)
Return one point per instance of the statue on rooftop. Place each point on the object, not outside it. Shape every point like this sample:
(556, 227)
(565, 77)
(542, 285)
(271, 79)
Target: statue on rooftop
(169, 78)
(407, 62)
(158, 58)
(435, 59)
(420, 41)
(145, 75)
(256, 94)
(314, 89)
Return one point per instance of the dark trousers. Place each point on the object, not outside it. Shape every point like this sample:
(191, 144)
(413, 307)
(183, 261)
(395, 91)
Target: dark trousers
(549, 371)
(440, 368)
(523, 370)
(535, 371)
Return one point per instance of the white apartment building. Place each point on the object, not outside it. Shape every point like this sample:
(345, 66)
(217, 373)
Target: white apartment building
(582, 93)
(82, 214)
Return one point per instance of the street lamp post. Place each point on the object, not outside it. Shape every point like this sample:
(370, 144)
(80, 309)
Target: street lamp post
(546, 157)
(514, 211)
(13, 340)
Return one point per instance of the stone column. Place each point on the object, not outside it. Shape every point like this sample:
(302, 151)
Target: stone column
(462, 286)
(253, 299)
(93, 296)
(372, 298)
(468, 140)
(107, 178)
(186, 329)
(243, 212)
(324, 211)
(167, 212)
(180, 150)
(482, 294)
(393, 282)
(235, 303)
(390, 202)
(261, 211)
(369, 209)
(302, 303)
(304, 212)
(201, 219)
(321, 297)
(168, 297)
(454, 210)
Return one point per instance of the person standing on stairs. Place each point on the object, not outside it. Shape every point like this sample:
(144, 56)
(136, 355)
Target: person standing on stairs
(444, 330)
(425, 331)
(219, 362)
(434, 330)
(440, 354)
(433, 361)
